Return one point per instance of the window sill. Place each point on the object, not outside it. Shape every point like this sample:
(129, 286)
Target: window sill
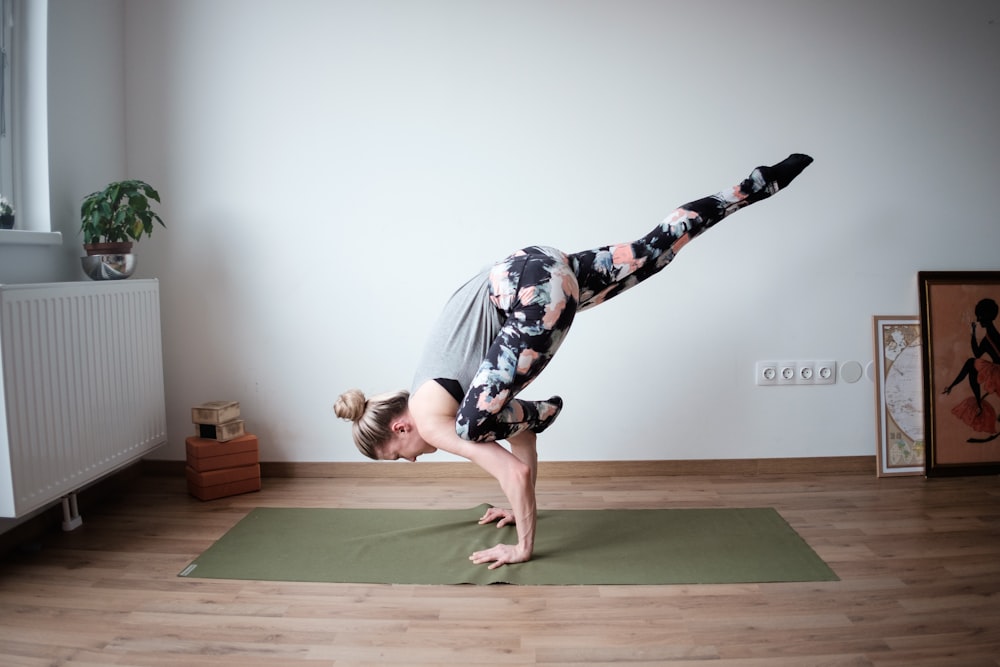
(24, 237)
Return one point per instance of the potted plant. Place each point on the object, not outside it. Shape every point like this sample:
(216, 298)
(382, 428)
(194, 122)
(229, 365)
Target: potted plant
(6, 214)
(114, 217)
(111, 220)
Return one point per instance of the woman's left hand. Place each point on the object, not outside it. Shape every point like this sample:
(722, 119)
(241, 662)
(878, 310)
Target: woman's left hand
(501, 516)
(501, 554)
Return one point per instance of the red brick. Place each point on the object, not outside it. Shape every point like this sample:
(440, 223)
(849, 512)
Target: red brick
(221, 483)
(204, 454)
(225, 490)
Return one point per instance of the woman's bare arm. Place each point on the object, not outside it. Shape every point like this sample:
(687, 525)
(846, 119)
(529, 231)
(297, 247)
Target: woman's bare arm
(523, 447)
(433, 410)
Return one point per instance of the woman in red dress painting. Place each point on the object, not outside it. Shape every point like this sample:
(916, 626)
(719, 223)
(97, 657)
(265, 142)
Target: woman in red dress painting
(983, 373)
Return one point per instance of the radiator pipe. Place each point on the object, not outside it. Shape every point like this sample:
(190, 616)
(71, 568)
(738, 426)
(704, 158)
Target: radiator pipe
(71, 513)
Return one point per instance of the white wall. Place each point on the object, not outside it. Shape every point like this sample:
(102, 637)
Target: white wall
(331, 170)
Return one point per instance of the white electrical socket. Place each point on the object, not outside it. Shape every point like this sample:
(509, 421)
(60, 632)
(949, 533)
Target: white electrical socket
(767, 373)
(787, 372)
(774, 373)
(826, 372)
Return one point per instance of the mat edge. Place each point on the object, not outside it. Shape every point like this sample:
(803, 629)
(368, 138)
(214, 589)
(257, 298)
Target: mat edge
(830, 465)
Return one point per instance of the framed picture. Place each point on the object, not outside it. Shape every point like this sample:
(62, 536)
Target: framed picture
(961, 368)
(899, 395)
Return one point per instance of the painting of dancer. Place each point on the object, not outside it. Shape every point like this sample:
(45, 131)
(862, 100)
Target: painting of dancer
(961, 369)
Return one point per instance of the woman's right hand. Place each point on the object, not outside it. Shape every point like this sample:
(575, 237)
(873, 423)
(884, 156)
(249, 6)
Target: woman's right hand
(501, 554)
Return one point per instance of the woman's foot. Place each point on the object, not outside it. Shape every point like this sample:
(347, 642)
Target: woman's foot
(547, 413)
(765, 181)
(693, 218)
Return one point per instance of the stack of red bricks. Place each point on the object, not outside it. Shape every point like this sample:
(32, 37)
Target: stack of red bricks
(222, 459)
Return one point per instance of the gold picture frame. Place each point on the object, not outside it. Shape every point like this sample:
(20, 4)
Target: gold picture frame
(899, 399)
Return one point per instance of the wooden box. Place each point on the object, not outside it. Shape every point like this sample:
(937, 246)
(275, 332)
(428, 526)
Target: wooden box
(204, 455)
(221, 483)
(215, 412)
(221, 432)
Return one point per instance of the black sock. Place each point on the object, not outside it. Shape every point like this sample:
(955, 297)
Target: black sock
(542, 423)
(765, 181)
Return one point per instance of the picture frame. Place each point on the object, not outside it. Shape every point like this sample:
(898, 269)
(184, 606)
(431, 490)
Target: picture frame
(899, 397)
(961, 371)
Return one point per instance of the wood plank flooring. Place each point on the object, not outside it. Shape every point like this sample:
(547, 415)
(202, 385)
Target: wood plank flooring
(919, 562)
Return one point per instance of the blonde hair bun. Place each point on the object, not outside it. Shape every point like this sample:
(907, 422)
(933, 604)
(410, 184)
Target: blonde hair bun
(351, 405)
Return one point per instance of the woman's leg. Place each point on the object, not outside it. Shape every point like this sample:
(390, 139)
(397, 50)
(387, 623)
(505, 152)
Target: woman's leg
(610, 270)
(537, 290)
(540, 289)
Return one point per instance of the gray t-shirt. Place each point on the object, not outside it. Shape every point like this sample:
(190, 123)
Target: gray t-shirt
(464, 331)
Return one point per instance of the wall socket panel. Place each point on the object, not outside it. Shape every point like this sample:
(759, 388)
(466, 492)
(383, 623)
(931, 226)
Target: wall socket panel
(788, 373)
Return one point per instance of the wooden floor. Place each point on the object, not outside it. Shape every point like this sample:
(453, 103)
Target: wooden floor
(919, 563)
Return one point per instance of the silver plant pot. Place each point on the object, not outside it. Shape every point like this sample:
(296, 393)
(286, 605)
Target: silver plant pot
(108, 267)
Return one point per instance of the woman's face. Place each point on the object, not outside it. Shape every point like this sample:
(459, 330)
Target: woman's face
(406, 446)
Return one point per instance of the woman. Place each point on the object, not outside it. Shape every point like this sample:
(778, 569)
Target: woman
(498, 332)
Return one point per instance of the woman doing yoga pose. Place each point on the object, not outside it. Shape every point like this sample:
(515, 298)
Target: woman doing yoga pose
(496, 334)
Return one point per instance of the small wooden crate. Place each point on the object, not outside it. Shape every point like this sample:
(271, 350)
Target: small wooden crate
(221, 432)
(215, 412)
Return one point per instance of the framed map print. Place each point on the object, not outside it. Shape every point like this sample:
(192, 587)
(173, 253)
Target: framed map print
(961, 367)
(899, 395)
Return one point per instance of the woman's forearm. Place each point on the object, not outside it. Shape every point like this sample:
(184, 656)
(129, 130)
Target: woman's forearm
(523, 446)
(518, 486)
(514, 476)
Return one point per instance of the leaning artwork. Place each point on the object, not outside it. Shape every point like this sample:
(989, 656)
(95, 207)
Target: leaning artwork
(961, 367)
(899, 398)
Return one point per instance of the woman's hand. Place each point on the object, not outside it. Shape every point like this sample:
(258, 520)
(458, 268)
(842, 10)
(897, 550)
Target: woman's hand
(501, 516)
(501, 554)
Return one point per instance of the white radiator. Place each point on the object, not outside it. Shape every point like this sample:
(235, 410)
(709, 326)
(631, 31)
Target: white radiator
(81, 387)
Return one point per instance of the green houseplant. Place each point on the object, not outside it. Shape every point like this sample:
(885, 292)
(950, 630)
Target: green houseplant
(6, 214)
(111, 220)
(118, 215)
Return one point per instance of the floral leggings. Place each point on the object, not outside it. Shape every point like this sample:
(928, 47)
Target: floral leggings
(539, 291)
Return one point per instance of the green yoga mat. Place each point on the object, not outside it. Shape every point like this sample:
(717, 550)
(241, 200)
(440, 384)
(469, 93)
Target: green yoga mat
(669, 546)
